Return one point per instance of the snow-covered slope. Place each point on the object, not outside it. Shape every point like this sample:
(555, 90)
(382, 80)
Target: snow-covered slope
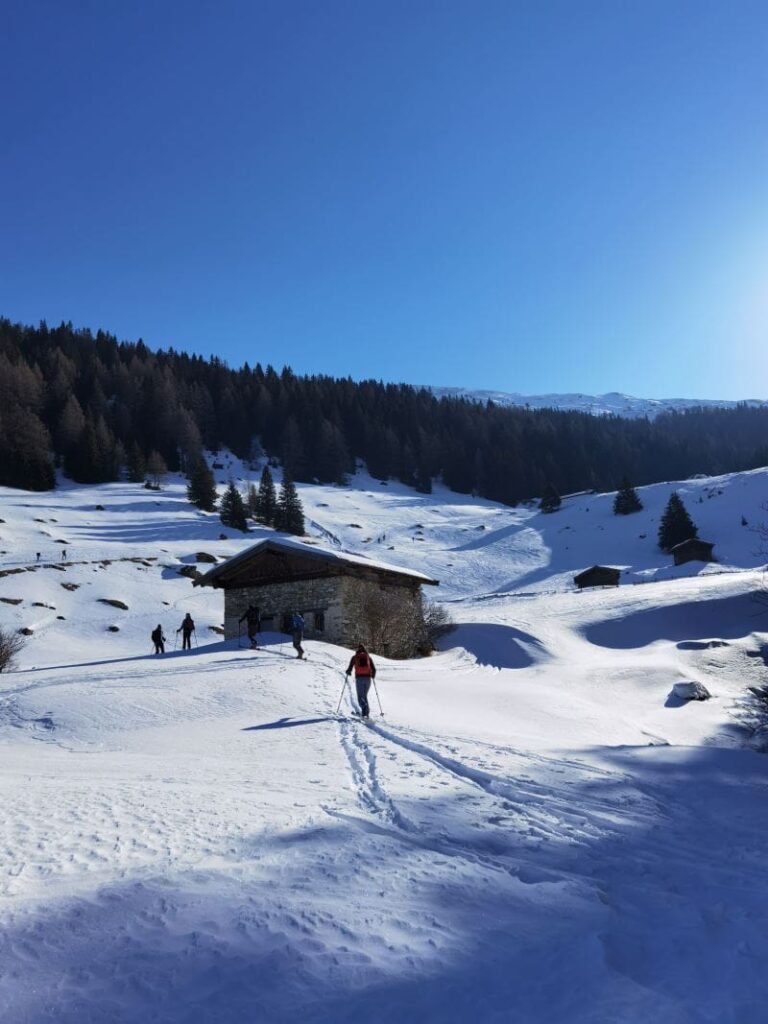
(612, 403)
(536, 831)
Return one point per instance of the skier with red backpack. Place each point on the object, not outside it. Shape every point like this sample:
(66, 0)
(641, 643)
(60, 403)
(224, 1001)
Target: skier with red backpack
(365, 671)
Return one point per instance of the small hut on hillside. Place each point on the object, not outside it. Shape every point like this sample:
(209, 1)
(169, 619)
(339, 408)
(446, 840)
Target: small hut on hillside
(345, 599)
(693, 550)
(598, 576)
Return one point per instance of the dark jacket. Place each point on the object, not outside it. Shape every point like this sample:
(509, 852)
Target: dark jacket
(253, 616)
(188, 625)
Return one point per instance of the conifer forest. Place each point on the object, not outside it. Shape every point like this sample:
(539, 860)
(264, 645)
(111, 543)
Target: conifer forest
(102, 409)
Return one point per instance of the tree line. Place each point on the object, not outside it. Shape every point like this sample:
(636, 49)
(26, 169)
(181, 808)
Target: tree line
(101, 409)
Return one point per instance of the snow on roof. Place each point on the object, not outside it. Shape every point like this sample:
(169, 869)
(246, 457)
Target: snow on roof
(314, 551)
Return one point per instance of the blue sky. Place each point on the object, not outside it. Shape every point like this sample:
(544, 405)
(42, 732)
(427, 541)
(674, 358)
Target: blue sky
(528, 196)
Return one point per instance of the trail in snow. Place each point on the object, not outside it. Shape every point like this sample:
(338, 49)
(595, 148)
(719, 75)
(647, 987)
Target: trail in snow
(201, 838)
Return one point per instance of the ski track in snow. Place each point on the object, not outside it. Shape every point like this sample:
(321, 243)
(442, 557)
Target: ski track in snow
(532, 833)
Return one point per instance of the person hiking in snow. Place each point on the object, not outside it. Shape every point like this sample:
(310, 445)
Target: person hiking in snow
(158, 639)
(297, 627)
(187, 628)
(252, 617)
(365, 671)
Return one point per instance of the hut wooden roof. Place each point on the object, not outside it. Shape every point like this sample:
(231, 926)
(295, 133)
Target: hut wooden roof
(693, 542)
(609, 570)
(283, 558)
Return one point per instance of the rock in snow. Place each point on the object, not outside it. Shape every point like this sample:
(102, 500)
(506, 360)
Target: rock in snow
(691, 691)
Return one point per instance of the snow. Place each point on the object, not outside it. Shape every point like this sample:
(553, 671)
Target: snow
(317, 551)
(614, 403)
(534, 831)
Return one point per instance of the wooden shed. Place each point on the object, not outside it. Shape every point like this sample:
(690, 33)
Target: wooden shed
(282, 575)
(598, 576)
(693, 550)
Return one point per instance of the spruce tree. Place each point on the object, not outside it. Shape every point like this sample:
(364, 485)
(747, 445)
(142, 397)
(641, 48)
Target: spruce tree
(137, 464)
(201, 489)
(290, 513)
(550, 500)
(266, 499)
(251, 500)
(232, 509)
(676, 525)
(626, 500)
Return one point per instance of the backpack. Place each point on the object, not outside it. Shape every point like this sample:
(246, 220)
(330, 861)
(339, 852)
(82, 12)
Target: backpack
(362, 661)
(298, 621)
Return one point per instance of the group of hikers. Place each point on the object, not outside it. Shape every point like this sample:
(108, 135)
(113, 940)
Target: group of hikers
(361, 663)
(252, 619)
(187, 628)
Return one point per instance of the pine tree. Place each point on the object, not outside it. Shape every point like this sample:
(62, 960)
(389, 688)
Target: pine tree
(290, 513)
(70, 427)
(251, 500)
(266, 499)
(550, 500)
(293, 453)
(626, 500)
(676, 525)
(136, 465)
(232, 510)
(201, 489)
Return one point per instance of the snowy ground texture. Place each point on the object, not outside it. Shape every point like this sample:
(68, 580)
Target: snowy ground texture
(536, 831)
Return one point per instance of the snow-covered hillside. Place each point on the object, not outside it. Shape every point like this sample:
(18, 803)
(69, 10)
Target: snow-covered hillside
(535, 831)
(612, 403)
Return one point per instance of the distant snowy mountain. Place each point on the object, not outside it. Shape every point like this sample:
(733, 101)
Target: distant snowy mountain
(613, 403)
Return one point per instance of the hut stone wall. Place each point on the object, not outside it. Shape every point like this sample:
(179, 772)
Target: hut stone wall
(351, 611)
(276, 599)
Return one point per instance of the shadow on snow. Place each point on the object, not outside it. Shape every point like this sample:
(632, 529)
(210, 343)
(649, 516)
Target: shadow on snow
(648, 900)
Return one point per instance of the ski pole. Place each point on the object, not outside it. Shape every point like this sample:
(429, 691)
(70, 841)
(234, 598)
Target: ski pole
(378, 698)
(194, 634)
(341, 695)
(175, 639)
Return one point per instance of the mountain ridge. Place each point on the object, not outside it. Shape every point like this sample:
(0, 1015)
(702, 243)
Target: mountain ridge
(612, 403)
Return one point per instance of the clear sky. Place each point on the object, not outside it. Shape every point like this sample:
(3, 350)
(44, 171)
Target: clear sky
(530, 196)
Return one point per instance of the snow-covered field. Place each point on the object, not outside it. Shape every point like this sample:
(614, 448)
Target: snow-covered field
(535, 831)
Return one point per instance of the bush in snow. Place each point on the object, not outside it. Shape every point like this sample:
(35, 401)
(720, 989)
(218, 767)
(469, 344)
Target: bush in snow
(388, 620)
(10, 645)
(437, 623)
(156, 470)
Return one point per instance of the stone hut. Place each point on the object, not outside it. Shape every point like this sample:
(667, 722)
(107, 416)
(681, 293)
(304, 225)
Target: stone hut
(692, 550)
(281, 575)
(598, 576)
